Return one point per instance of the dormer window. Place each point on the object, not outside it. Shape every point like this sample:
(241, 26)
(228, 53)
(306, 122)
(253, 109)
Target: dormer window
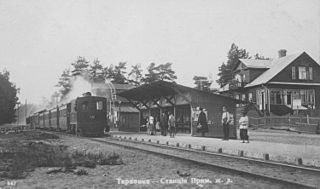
(305, 73)
(238, 78)
(302, 73)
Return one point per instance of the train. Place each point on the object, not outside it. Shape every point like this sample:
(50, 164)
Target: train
(83, 116)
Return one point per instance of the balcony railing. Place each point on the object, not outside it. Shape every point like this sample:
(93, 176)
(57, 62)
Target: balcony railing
(235, 84)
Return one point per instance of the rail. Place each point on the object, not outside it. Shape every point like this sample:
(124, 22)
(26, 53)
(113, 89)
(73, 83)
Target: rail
(285, 174)
(289, 175)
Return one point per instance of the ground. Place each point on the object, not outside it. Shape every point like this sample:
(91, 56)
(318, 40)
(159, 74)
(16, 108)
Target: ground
(282, 146)
(134, 165)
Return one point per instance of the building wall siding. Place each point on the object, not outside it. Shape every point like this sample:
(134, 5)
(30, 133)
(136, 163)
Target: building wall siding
(213, 104)
(254, 73)
(304, 60)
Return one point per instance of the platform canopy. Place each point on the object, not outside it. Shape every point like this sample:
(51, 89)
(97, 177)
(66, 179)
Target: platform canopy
(153, 90)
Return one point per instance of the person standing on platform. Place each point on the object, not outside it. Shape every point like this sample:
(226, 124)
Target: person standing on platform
(202, 124)
(244, 123)
(151, 125)
(172, 125)
(225, 123)
(157, 125)
(163, 124)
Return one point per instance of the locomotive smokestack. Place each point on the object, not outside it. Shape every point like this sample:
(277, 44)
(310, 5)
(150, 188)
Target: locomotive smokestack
(86, 94)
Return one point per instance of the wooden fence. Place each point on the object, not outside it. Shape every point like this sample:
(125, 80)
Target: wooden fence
(283, 121)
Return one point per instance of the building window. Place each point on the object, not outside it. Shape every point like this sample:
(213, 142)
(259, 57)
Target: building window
(243, 97)
(289, 98)
(302, 72)
(238, 77)
(99, 105)
(250, 97)
(272, 97)
(278, 98)
(310, 73)
(310, 96)
(84, 106)
(293, 72)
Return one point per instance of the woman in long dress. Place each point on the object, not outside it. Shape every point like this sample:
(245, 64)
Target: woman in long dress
(202, 122)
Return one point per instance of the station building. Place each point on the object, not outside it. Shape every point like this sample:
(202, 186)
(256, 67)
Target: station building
(281, 86)
(184, 103)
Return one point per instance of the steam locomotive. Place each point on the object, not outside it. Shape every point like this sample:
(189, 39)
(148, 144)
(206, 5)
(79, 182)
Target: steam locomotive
(83, 116)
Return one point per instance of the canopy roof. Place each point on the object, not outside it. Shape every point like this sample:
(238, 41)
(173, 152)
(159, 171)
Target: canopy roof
(160, 89)
(151, 91)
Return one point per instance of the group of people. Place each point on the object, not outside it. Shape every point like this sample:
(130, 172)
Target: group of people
(202, 125)
(164, 124)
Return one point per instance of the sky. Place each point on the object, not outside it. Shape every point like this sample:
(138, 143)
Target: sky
(41, 38)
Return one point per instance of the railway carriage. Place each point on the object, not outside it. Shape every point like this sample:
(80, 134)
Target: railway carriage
(54, 119)
(85, 116)
(41, 119)
(47, 120)
(63, 120)
(33, 120)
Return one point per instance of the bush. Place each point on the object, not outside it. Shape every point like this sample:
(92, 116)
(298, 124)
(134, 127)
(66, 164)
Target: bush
(17, 158)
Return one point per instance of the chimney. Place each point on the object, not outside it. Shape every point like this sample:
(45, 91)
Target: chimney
(282, 53)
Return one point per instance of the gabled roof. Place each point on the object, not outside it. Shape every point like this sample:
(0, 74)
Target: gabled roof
(254, 63)
(159, 89)
(118, 86)
(277, 65)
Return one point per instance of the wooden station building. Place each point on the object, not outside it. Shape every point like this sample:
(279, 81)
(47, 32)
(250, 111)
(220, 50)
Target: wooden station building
(183, 102)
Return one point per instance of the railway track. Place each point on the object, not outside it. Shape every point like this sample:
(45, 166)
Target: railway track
(289, 175)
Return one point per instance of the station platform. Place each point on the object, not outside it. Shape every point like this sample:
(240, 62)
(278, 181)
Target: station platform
(281, 146)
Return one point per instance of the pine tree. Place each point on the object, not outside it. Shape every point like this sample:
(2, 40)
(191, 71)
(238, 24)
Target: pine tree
(161, 72)
(8, 98)
(64, 83)
(225, 70)
(135, 75)
(80, 66)
(96, 71)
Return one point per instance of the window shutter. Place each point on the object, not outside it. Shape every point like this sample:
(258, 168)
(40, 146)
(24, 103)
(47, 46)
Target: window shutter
(293, 72)
(310, 73)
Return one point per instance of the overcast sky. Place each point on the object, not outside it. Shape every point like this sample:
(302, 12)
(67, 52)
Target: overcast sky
(40, 38)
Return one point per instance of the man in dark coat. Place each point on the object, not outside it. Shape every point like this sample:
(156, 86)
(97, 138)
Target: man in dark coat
(163, 124)
(202, 122)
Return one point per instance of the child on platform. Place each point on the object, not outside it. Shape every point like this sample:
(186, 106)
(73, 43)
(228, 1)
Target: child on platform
(244, 123)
